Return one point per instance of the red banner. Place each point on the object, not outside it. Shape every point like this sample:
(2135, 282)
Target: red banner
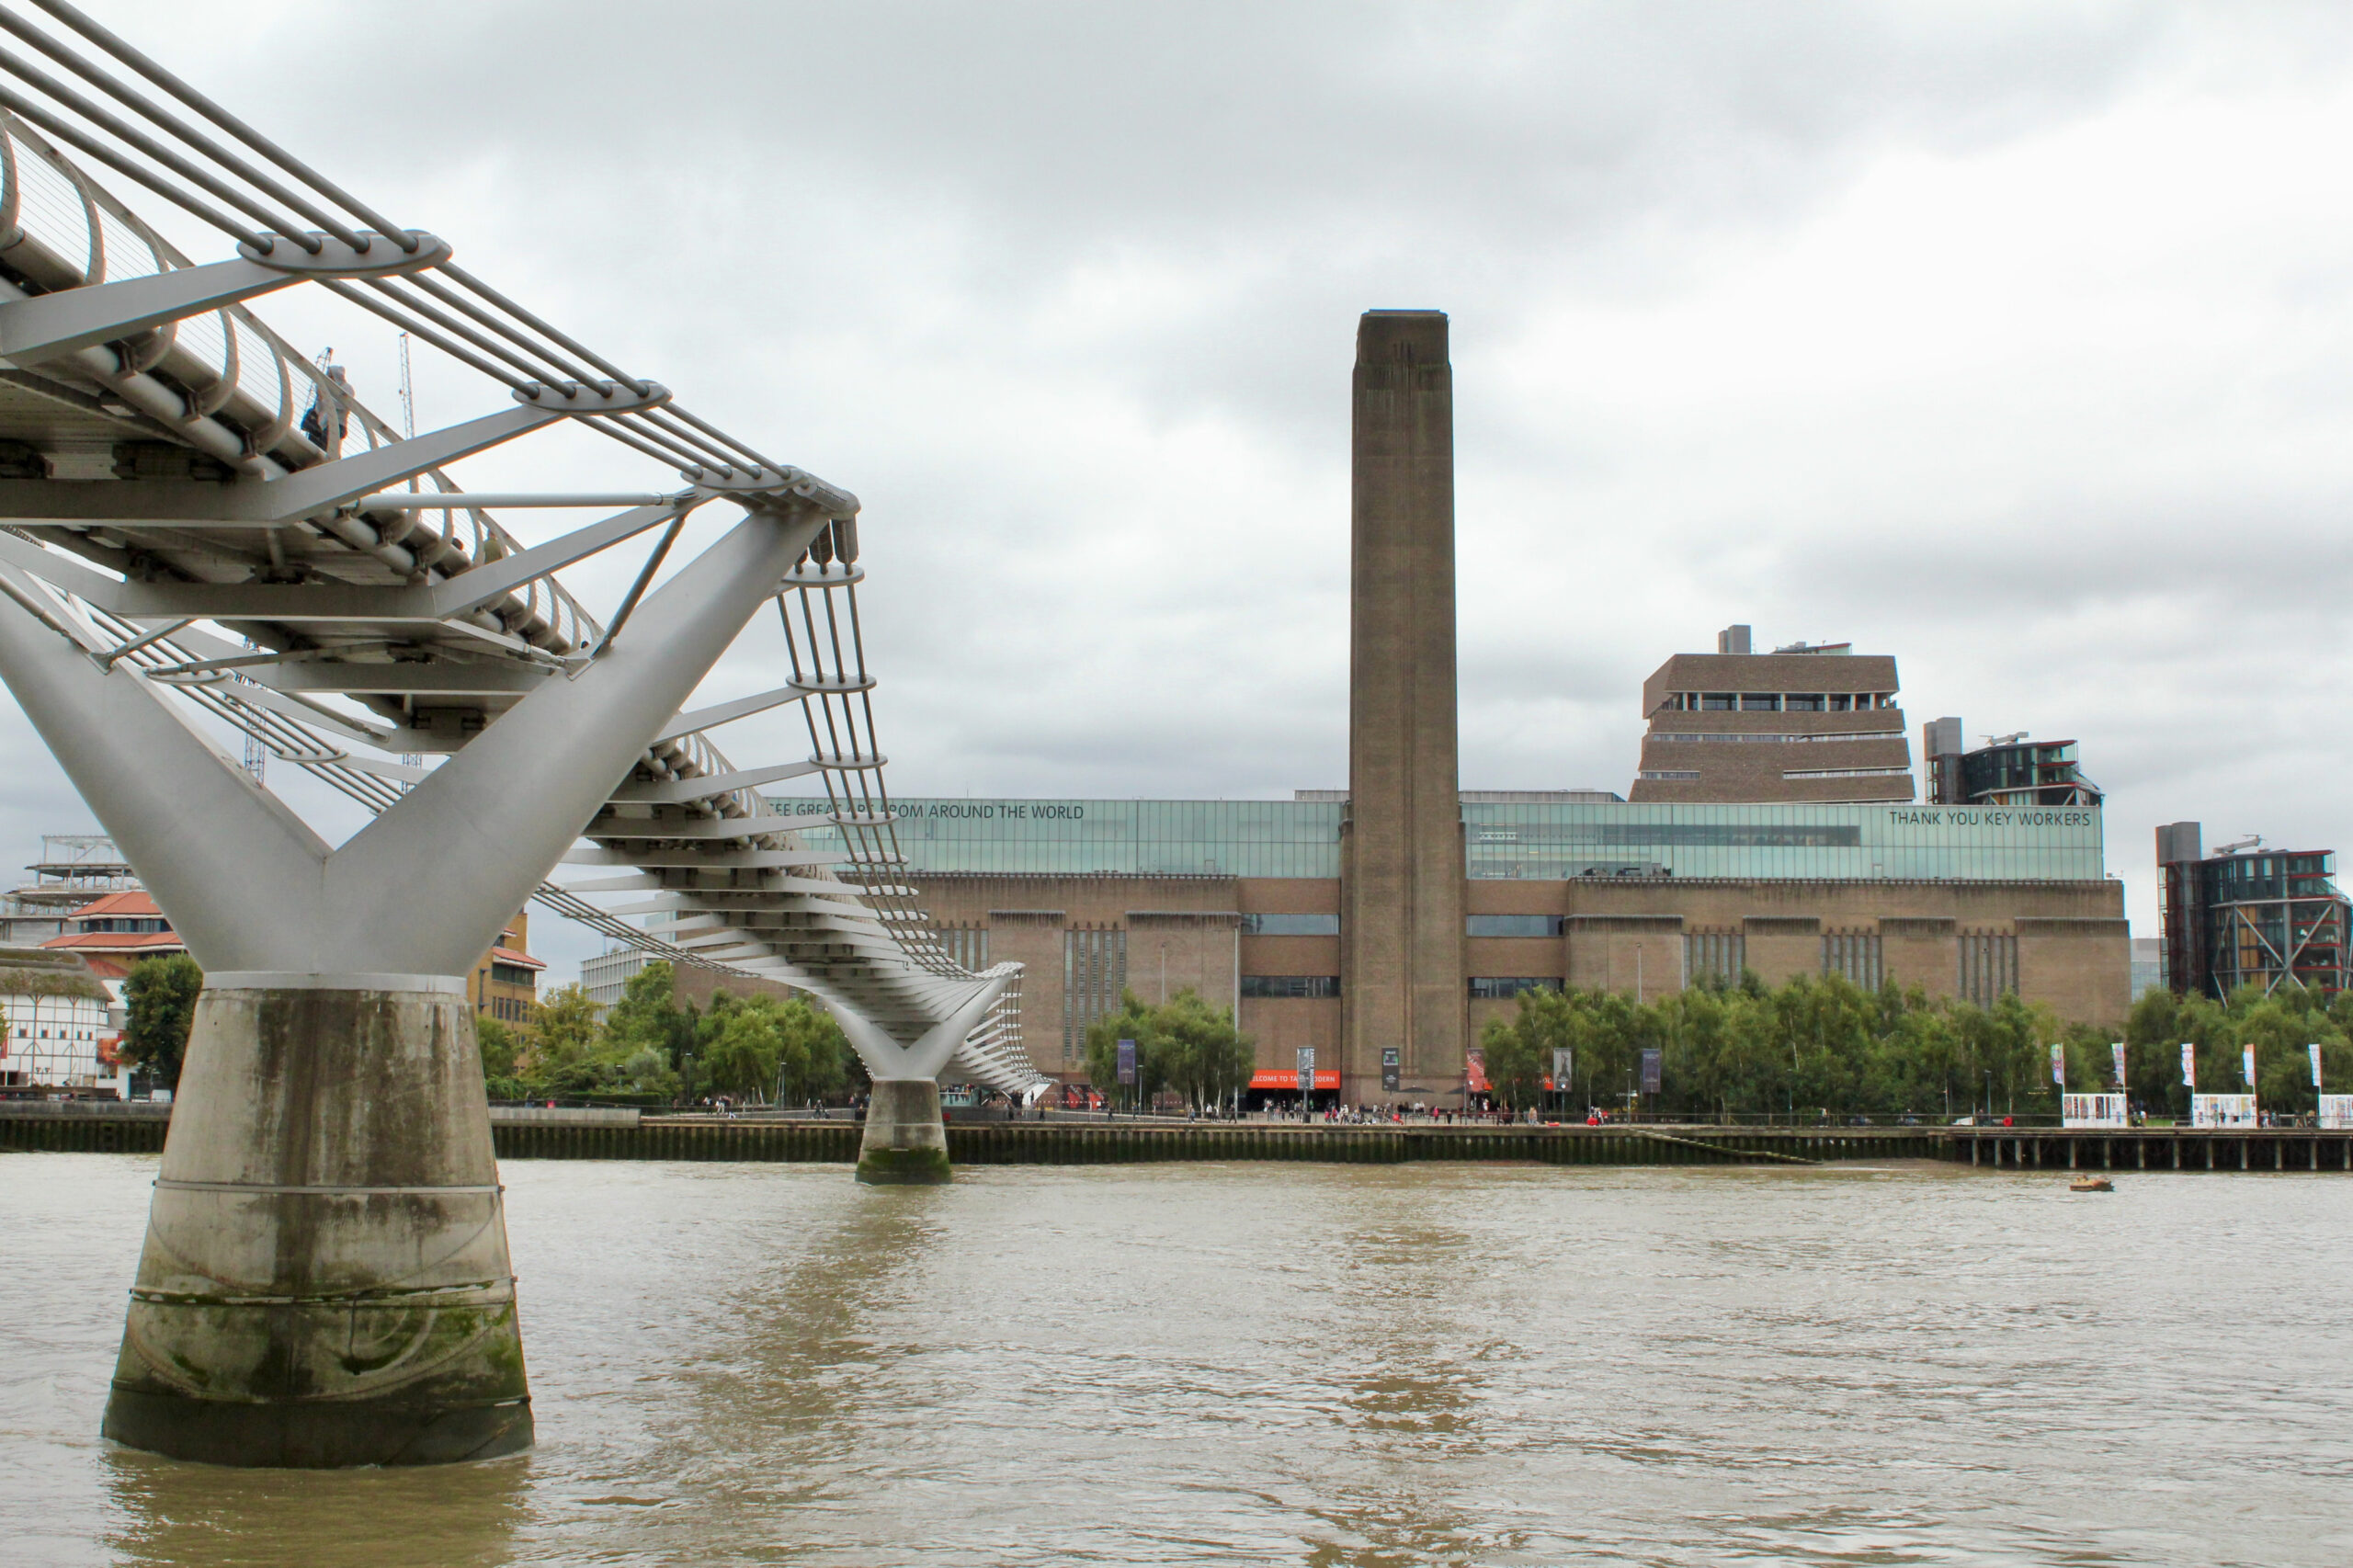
(1275, 1078)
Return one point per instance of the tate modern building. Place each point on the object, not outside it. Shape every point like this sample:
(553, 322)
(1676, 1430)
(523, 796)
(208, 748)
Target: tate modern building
(1773, 826)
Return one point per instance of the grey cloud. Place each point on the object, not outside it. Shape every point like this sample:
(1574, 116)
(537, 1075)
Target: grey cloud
(1066, 293)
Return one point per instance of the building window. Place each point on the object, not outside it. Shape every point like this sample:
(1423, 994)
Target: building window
(1720, 953)
(1291, 924)
(1320, 987)
(1513, 924)
(1753, 737)
(1846, 773)
(967, 946)
(1989, 966)
(1760, 702)
(1855, 954)
(1718, 701)
(1094, 973)
(1671, 774)
(1504, 987)
(1805, 702)
(510, 974)
(1841, 701)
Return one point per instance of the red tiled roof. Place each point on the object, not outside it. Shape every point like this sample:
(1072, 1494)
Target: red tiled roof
(141, 941)
(508, 955)
(128, 905)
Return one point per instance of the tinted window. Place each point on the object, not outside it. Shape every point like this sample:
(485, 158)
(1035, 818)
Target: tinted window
(1291, 925)
(1314, 985)
(1502, 987)
(1513, 924)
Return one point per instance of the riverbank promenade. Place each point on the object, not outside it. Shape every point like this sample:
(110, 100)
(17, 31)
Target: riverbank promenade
(565, 1133)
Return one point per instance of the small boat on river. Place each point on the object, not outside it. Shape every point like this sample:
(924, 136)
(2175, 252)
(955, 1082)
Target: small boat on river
(2091, 1184)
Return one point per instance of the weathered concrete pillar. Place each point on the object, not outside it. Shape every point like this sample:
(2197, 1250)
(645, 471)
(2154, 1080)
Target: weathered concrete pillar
(907, 1140)
(326, 1280)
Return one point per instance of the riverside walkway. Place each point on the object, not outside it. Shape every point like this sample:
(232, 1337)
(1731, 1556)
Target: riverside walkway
(531, 1135)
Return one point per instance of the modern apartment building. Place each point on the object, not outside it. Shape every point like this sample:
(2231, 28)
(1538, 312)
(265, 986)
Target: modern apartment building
(2007, 770)
(2250, 915)
(1802, 722)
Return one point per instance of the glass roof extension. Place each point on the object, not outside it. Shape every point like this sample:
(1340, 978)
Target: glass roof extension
(1541, 840)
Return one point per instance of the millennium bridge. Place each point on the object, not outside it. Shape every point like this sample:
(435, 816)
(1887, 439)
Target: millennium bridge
(207, 541)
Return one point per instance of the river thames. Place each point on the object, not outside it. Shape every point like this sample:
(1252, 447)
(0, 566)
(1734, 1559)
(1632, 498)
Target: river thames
(1343, 1365)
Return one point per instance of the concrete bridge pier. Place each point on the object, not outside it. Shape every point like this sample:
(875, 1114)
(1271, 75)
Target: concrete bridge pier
(326, 1277)
(906, 1137)
(326, 1280)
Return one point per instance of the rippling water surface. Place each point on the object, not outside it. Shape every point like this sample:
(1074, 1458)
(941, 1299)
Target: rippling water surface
(1285, 1364)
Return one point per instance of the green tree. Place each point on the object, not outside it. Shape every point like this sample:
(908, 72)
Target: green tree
(159, 1002)
(1516, 1063)
(1205, 1057)
(562, 1056)
(496, 1043)
(648, 1018)
(815, 1054)
(746, 1044)
(499, 1048)
(1136, 1022)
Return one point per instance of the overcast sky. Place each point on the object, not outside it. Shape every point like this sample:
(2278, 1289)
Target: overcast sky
(2013, 340)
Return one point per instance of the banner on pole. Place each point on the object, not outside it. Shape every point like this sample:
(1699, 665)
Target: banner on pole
(2315, 1054)
(1127, 1061)
(2059, 1067)
(1389, 1067)
(2189, 1066)
(1653, 1062)
(1307, 1067)
(1564, 1060)
(2246, 1065)
(2117, 1051)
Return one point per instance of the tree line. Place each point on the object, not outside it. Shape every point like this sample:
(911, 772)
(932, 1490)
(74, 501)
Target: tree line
(647, 1046)
(1822, 1045)
(1810, 1046)
(1183, 1047)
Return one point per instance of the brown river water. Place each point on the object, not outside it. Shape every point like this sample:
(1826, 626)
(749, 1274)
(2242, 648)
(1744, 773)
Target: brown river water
(1287, 1364)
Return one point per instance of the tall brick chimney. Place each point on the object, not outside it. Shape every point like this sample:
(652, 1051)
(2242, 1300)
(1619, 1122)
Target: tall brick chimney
(1401, 983)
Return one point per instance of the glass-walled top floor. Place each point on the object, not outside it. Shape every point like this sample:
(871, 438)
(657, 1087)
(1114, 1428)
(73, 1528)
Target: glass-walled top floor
(1543, 840)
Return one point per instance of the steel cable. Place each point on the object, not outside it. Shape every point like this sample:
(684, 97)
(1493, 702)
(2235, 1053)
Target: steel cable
(220, 156)
(138, 62)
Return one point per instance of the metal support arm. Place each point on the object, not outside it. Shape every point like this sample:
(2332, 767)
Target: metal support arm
(425, 887)
(48, 325)
(928, 1053)
(456, 596)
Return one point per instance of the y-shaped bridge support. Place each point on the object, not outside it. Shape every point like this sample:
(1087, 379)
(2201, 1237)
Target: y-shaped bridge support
(325, 1278)
(906, 1140)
